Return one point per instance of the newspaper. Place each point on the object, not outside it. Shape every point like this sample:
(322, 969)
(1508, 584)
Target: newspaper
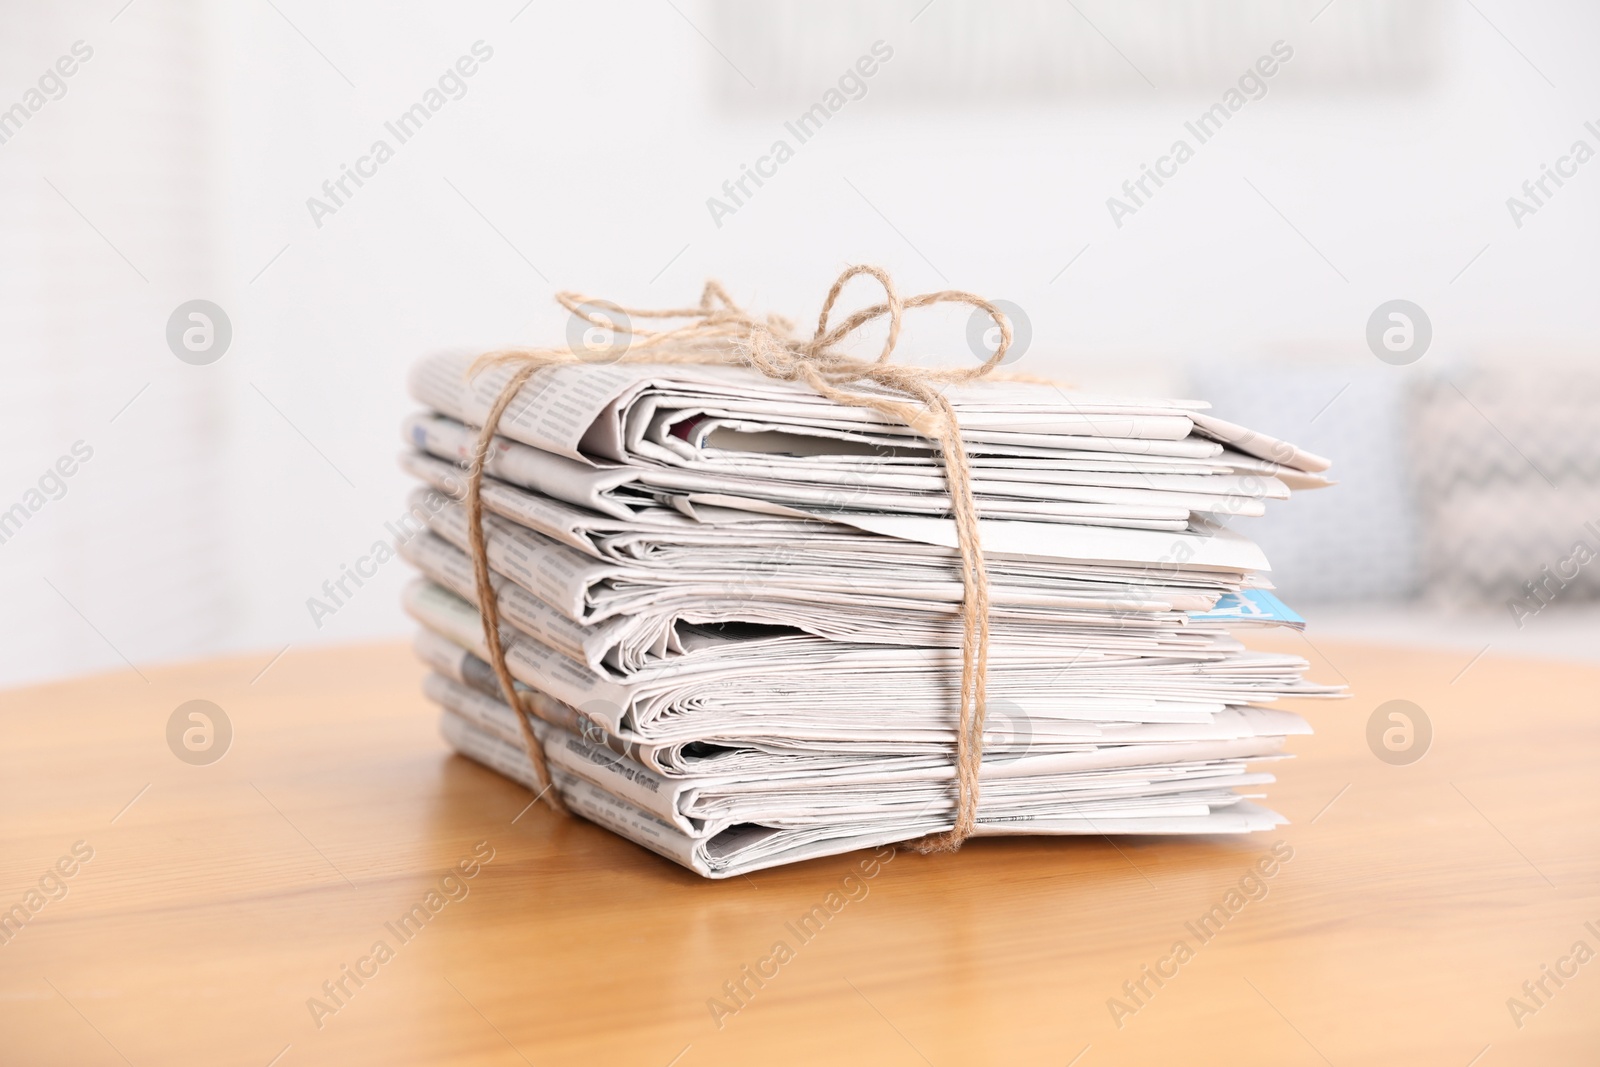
(749, 847)
(707, 804)
(711, 434)
(814, 687)
(1200, 545)
(1006, 486)
(722, 754)
(733, 608)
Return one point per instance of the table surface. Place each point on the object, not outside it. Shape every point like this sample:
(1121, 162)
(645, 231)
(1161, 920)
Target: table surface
(220, 898)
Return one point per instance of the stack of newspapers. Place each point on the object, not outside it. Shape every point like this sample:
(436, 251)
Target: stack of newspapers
(736, 608)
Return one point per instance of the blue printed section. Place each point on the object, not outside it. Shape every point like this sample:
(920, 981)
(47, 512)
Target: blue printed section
(1250, 605)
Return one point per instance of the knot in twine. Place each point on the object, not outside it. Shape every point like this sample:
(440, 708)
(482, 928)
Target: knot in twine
(718, 331)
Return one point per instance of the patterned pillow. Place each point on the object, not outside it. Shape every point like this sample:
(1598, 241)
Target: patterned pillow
(1506, 468)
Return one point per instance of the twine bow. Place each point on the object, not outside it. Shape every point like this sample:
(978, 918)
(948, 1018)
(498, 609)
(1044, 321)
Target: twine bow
(718, 331)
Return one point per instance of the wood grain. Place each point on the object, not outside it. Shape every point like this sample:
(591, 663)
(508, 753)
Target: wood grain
(1418, 899)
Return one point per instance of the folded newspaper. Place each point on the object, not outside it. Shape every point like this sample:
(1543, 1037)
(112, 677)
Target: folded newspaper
(734, 607)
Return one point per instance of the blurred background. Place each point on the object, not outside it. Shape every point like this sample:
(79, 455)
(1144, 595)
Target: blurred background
(162, 502)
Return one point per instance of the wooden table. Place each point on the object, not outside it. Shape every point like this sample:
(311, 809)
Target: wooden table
(220, 898)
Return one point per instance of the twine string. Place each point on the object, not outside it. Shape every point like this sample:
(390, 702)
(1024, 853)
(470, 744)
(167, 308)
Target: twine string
(488, 603)
(718, 331)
